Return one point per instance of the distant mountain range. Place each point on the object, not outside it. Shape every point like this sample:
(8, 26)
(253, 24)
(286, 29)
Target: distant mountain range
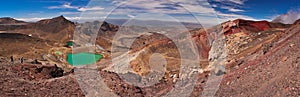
(8, 20)
(135, 22)
(288, 18)
(55, 29)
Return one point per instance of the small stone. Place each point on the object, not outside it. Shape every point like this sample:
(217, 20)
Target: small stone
(174, 80)
(291, 45)
(284, 58)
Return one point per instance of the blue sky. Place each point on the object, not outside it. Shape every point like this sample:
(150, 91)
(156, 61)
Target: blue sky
(207, 12)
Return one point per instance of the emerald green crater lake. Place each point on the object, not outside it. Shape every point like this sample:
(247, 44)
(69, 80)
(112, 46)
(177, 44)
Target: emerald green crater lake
(81, 59)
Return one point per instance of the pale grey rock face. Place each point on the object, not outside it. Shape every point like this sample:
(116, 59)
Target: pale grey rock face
(217, 59)
(218, 53)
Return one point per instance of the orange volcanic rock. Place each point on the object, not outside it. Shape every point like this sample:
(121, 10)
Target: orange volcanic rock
(247, 38)
(260, 25)
(274, 73)
(248, 26)
(201, 38)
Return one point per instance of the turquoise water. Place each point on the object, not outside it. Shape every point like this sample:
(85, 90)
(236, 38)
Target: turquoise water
(81, 59)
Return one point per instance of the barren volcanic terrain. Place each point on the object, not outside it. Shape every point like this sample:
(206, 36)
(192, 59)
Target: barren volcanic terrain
(260, 58)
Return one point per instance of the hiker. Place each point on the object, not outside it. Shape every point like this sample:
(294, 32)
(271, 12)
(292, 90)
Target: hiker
(57, 72)
(35, 61)
(12, 59)
(22, 60)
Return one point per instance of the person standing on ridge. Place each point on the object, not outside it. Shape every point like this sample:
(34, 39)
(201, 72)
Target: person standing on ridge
(22, 59)
(12, 59)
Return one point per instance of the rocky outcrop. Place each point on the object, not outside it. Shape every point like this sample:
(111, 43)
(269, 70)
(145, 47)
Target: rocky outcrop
(297, 22)
(36, 80)
(248, 26)
(56, 29)
(270, 73)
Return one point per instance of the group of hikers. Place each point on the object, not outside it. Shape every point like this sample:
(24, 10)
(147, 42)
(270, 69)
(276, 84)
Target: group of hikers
(20, 59)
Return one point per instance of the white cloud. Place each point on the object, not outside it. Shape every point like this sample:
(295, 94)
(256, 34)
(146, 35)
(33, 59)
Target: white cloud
(130, 16)
(70, 13)
(235, 10)
(233, 16)
(214, 5)
(81, 9)
(83, 19)
(224, 17)
(90, 9)
(288, 18)
(75, 18)
(231, 9)
(161, 6)
(239, 2)
(64, 6)
(201, 9)
(34, 19)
